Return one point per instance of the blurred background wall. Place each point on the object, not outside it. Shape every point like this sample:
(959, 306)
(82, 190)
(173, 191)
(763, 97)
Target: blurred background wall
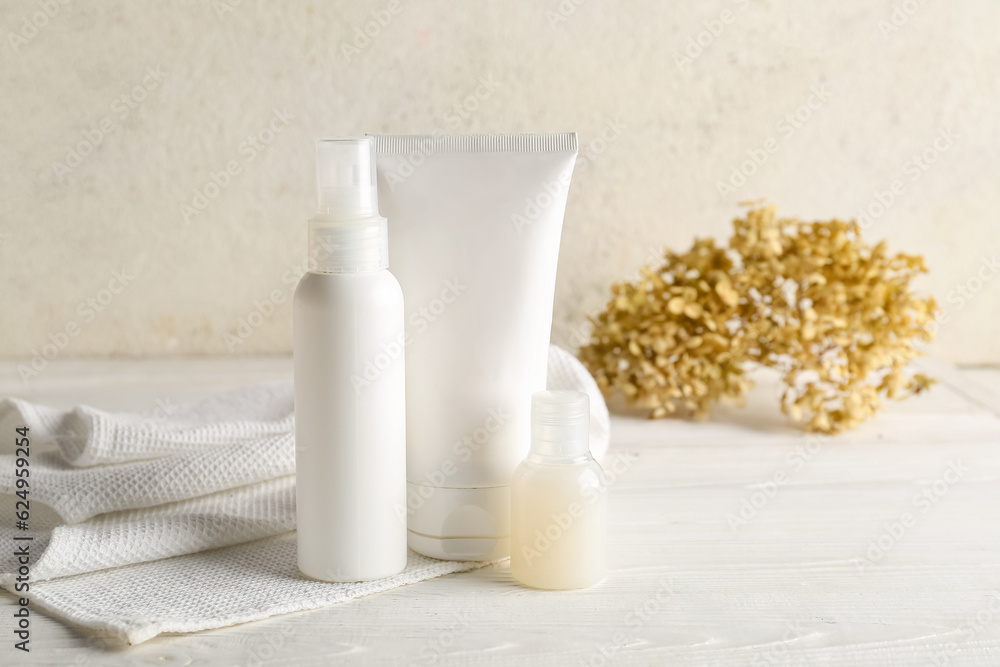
(157, 168)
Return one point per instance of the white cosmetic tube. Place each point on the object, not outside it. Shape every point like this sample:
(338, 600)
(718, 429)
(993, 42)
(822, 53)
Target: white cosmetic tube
(474, 228)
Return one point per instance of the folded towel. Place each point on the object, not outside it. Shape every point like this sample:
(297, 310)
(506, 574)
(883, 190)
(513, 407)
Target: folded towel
(133, 503)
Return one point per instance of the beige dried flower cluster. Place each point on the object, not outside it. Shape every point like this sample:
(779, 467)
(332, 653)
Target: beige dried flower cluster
(834, 315)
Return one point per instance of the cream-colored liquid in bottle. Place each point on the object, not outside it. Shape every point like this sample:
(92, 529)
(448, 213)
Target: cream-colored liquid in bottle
(559, 499)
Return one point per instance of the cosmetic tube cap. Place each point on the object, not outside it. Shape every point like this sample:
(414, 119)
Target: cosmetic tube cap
(560, 423)
(459, 523)
(348, 235)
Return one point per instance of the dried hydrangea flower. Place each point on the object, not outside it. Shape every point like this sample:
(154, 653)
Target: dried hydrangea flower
(666, 340)
(836, 316)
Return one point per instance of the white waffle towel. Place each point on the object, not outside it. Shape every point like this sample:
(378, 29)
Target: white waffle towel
(133, 501)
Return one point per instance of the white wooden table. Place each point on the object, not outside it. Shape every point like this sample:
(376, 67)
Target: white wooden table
(816, 569)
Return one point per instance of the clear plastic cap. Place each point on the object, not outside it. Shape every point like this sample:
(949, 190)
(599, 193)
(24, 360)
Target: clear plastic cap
(345, 177)
(349, 235)
(560, 423)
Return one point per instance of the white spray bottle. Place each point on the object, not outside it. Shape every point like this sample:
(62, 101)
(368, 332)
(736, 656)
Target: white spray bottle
(350, 432)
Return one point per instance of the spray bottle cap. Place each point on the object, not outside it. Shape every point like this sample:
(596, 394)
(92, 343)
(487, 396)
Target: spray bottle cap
(348, 235)
(560, 423)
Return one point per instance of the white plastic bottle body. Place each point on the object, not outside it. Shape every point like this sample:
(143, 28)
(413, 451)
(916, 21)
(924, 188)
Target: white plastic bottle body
(350, 430)
(558, 524)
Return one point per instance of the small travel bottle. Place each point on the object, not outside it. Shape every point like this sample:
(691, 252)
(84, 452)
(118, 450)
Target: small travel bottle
(558, 497)
(350, 414)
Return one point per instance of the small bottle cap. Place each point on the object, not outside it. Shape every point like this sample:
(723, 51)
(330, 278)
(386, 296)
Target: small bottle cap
(349, 235)
(560, 423)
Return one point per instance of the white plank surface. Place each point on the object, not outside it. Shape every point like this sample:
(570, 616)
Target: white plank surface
(799, 583)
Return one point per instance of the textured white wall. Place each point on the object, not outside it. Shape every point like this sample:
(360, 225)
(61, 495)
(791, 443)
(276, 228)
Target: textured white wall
(173, 92)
